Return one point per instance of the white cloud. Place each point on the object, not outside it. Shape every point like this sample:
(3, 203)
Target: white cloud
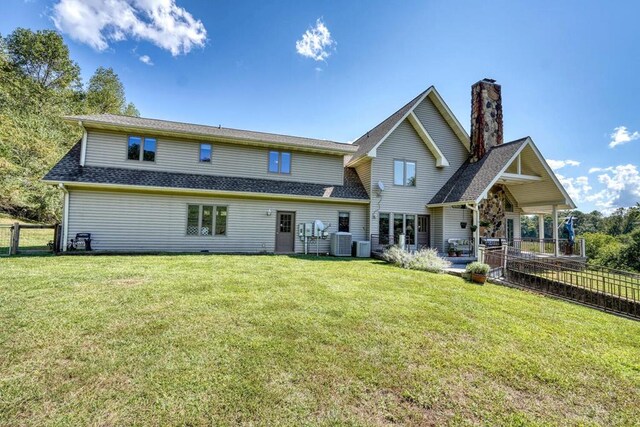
(577, 188)
(622, 186)
(592, 170)
(559, 164)
(316, 42)
(146, 59)
(99, 22)
(621, 135)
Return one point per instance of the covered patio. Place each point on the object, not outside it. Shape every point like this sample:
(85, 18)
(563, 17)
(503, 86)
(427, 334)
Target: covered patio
(510, 181)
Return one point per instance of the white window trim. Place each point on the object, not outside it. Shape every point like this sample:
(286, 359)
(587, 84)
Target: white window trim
(404, 173)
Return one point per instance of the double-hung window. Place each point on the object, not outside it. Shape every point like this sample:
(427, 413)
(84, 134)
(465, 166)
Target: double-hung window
(205, 153)
(280, 162)
(139, 148)
(343, 221)
(206, 220)
(404, 173)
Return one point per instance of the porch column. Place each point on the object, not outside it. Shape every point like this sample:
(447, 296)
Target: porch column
(556, 244)
(476, 234)
(541, 232)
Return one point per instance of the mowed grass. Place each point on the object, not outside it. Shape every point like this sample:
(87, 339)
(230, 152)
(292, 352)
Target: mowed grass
(276, 340)
(30, 239)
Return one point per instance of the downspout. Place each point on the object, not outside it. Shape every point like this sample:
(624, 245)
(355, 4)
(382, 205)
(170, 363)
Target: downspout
(83, 145)
(476, 222)
(65, 217)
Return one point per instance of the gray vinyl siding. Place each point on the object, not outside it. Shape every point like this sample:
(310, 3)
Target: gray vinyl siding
(405, 144)
(364, 173)
(110, 150)
(129, 221)
(452, 219)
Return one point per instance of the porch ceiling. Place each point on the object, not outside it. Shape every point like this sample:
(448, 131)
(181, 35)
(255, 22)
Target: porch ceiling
(534, 188)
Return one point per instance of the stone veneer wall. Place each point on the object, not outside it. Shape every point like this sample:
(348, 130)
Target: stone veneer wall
(492, 210)
(486, 118)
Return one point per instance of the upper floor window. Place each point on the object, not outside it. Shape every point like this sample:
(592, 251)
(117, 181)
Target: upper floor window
(343, 221)
(205, 153)
(404, 173)
(279, 162)
(140, 148)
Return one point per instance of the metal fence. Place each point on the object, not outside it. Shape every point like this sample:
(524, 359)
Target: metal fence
(605, 288)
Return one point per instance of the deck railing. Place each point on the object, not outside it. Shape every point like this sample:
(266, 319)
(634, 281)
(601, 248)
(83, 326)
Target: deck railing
(605, 288)
(547, 246)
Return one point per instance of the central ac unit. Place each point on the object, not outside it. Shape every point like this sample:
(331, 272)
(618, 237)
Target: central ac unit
(361, 249)
(340, 244)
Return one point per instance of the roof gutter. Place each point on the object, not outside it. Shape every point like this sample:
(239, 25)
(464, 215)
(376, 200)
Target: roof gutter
(223, 193)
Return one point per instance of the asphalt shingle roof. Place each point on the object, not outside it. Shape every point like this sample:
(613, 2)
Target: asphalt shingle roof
(472, 179)
(210, 131)
(369, 140)
(68, 169)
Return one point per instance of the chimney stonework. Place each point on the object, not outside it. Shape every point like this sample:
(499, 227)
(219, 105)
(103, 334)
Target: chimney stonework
(486, 118)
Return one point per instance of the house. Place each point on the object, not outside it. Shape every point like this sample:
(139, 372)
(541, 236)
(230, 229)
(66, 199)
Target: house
(139, 184)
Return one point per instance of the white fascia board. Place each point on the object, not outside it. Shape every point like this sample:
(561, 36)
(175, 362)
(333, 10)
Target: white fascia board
(553, 176)
(529, 142)
(499, 174)
(441, 161)
(460, 132)
(176, 190)
(372, 152)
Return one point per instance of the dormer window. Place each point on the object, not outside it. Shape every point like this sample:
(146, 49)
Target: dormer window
(279, 162)
(141, 149)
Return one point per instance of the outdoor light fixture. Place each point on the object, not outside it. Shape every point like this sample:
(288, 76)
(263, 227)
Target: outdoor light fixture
(268, 212)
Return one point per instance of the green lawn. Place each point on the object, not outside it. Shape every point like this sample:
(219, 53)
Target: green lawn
(206, 339)
(30, 239)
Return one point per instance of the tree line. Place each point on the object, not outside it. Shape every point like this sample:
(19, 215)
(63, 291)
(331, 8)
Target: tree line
(39, 84)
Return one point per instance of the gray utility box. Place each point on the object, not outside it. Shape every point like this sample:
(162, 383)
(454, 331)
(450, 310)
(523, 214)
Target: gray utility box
(361, 249)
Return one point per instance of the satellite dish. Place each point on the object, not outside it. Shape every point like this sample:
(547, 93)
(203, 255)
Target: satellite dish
(380, 186)
(319, 225)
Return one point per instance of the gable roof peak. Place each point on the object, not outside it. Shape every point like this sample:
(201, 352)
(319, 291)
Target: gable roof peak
(374, 137)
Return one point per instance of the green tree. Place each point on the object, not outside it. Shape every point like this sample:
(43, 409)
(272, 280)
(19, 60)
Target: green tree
(39, 84)
(43, 57)
(105, 94)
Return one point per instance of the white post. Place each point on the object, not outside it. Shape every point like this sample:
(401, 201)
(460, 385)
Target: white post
(65, 221)
(476, 234)
(583, 248)
(541, 232)
(556, 245)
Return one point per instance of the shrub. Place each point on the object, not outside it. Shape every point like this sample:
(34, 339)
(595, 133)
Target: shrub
(424, 259)
(478, 268)
(428, 260)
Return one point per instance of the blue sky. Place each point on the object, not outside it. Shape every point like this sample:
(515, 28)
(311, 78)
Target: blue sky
(569, 70)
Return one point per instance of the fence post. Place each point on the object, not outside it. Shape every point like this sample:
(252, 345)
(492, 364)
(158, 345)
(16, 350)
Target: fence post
(505, 250)
(15, 238)
(57, 230)
(481, 254)
(583, 248)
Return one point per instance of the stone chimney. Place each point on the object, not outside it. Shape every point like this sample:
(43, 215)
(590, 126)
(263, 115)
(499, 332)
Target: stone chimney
(486, 118)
